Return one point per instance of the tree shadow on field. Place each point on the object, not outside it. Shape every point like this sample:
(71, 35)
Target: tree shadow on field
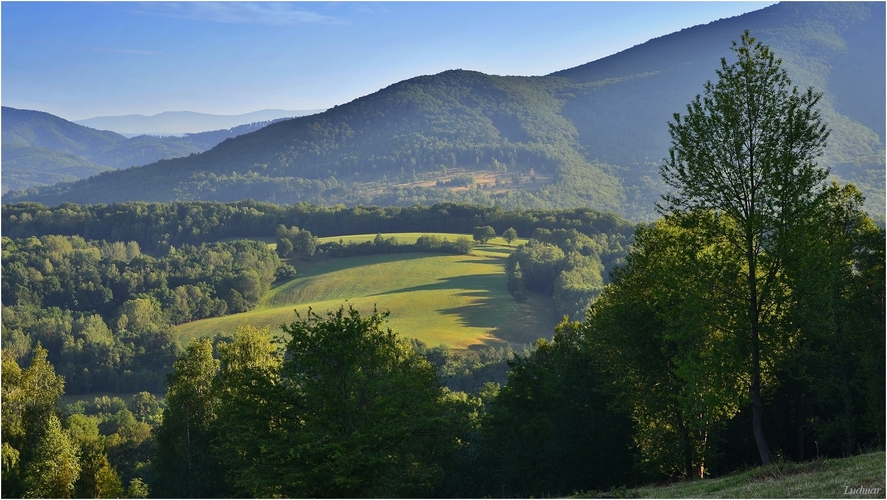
(531, 320)
(487, 309)
(508, 322)
(472, 283)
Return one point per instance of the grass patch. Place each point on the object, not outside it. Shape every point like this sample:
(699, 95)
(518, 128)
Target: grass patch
(457, 300)
(827, 478)
(410, 238)
(407, 238)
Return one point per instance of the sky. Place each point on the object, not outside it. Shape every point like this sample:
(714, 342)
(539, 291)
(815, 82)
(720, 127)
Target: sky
(80, 60)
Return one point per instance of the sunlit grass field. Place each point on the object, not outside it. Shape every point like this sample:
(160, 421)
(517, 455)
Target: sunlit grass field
(457, 300)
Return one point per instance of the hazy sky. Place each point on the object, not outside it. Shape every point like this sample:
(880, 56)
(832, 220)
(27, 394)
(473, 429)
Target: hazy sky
(79, 60)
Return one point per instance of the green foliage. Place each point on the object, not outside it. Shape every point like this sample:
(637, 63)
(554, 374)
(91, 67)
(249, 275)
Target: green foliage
(509, 235)
(655, 331)
(548, 431)
(54, 465)
(483, 234)
(98, 478)
(137, 489)
(565, 264)
(45, 455)
(186, 464)
(375, 419)
(467, 371)
(154, 227)
(346, 409)
(747, 151)
(104, 311)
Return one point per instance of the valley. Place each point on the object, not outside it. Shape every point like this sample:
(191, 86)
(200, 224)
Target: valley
(463, 284)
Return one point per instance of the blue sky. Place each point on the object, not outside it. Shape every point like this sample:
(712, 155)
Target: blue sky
(79, 60)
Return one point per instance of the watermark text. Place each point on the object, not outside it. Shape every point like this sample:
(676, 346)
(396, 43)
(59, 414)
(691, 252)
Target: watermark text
(862, 490)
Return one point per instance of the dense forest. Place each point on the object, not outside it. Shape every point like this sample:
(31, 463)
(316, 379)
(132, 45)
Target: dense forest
(591, 136)
(157, 226)
(744, 326)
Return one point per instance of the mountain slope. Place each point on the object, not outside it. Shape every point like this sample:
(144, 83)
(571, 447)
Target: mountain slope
(29, 166)
(837, 48)
(587, 136)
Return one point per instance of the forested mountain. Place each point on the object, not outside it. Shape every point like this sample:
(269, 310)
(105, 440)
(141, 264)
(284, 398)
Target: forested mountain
(590, 136)
(43, 149)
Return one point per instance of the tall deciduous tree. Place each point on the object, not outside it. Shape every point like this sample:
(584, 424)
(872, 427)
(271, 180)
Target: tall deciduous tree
(661, 333)
(31, 429)
(54, 466)
(747, 151)
(186, 463)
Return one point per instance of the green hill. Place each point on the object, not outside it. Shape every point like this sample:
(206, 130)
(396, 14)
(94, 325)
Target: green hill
(459, 301)
(590, 136)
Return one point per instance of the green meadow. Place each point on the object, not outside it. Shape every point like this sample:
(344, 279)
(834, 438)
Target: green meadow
(456, 300)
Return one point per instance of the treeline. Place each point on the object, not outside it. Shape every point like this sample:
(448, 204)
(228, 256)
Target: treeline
(112, 448)
(367, 413)
(301, 242)
(105, 311)
(156, 226)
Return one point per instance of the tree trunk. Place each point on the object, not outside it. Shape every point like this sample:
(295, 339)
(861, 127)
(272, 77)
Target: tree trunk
(757, 405)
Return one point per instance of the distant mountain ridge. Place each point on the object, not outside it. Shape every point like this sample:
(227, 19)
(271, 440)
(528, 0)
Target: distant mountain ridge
(591, 136)
(184, 122)
(42, 149)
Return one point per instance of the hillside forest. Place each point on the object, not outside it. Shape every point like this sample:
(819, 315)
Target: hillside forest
(745, 325)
